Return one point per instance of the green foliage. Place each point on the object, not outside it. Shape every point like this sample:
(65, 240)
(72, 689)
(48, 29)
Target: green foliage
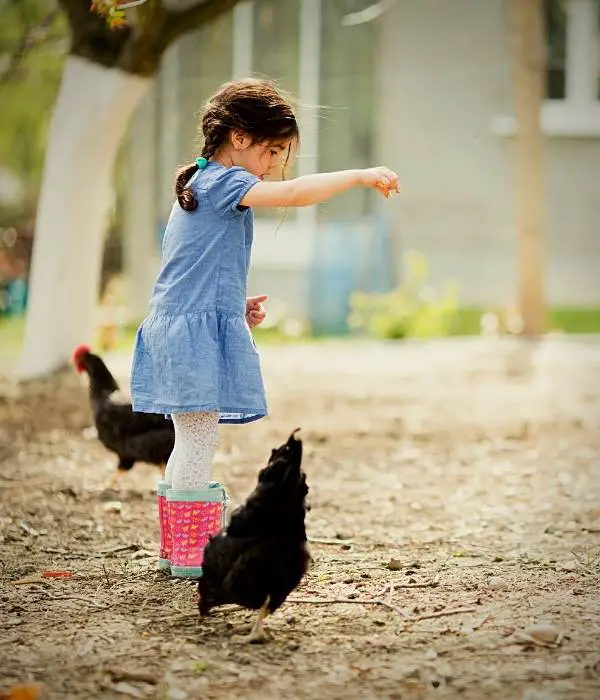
(575, 320)
(114, 10)
(412, 310)
(33, 44)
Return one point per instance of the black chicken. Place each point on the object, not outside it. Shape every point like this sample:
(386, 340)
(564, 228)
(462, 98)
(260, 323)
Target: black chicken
(134, 437)
(260, 558)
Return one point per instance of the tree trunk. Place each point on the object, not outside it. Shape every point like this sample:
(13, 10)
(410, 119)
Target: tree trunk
(527, 48)
(91, 114)
(106, 75)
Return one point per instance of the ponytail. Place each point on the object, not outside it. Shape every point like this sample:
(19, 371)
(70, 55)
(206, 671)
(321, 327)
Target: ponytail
(185, 196)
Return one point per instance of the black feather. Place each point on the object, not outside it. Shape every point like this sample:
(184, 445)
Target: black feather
(263, 550)
(133, 437)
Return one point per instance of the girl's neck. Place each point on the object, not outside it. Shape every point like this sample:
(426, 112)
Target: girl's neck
(224, 158)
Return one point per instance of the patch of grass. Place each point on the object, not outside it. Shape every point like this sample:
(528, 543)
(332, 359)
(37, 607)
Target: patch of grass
(11, 335)
(575, 320)
(465, 321)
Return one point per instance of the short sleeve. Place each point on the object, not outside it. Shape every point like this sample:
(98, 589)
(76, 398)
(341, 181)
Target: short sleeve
(228, 189)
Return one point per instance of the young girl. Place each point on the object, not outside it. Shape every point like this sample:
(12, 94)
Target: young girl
(194, 356)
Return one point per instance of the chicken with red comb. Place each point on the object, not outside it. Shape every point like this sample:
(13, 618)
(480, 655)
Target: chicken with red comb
(133, 437)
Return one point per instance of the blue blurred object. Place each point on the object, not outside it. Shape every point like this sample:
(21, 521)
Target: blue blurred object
(347, 256)
(13, 297)
(17, 296)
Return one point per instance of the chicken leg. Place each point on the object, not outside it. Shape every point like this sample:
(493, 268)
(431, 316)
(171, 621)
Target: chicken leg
(115, 480)
(258, 635)
(124, 466)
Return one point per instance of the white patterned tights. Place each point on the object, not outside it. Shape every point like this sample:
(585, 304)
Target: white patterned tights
(196, 441)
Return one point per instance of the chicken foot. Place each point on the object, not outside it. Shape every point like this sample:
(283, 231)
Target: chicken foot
(258, 634)
(114, 482)
(122, 468)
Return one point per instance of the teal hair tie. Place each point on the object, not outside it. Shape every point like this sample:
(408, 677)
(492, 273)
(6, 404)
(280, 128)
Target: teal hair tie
(201, 163)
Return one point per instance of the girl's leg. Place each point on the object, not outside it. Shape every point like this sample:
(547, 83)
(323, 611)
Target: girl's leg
(196, 442)
(195, 504)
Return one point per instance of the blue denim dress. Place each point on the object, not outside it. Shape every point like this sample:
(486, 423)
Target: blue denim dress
(194, 351)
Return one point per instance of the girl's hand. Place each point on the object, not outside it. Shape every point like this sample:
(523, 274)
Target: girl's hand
(255, 312)
(382, 178)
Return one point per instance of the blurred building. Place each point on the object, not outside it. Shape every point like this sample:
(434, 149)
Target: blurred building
(424, 87)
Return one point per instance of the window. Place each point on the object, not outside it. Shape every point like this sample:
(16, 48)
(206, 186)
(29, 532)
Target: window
(555, 20)
(572, 107)
(573, 50)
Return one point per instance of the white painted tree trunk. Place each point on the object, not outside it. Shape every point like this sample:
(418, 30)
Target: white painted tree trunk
(90, 117)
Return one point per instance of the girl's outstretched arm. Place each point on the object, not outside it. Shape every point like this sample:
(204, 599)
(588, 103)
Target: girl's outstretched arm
(312, 189)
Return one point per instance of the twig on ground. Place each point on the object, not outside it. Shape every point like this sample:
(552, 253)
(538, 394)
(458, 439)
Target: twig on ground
(76, 554)
(393, 586)
(119, 548)
(175, 618)
(106, 576)
(357, 601)
(442, 613)
(324, 540)
(121, 674)
(385, 604)
(352, 559)
(27, 581)
(40, 579)
(587, 571)
(481, 622)
(82, 598)
(584, 568)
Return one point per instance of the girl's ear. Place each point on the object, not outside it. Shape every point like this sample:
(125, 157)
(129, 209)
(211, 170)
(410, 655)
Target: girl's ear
(239, 140)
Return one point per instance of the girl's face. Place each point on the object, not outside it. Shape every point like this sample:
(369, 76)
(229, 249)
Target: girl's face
(260, 159)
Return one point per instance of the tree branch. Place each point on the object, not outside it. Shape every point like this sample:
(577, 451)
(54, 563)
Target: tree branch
(182, 21)
(91, 37)
(30, 38)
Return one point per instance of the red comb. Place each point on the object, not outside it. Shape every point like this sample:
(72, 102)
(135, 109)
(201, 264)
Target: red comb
(80, 350)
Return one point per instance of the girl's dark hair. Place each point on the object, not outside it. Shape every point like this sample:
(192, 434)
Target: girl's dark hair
(256, 107)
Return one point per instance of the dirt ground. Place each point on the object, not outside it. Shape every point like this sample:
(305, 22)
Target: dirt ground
(455, 493)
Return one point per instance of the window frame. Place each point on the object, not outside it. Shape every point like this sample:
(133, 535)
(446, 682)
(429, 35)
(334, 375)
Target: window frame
(578, 114)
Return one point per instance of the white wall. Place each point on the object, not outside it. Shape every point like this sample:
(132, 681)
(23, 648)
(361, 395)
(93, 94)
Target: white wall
(444, 78)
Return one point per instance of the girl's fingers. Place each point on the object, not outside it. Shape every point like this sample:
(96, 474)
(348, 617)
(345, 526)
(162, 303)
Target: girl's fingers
(254, 302)
(255, 318)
